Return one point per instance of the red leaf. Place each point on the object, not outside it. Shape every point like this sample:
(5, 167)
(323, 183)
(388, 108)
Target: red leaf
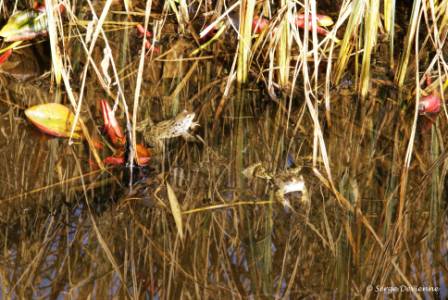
(143, 155)
(111, 125)
(4, 57)
(429, 104)
(259, 24)
(97, 144)
(301, 24)
(141, 31)
(114, 160)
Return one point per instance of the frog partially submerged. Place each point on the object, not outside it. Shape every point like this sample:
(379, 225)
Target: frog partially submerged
(23, 76)
(178, 126)
(284, 182)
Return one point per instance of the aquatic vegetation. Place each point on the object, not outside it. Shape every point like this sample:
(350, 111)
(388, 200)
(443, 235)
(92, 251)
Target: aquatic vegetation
(143, 157)
(4, 57)
(25, 25)
(54, 119)
(242, 149)
(429, 104)
(115, 134)
(111, 126)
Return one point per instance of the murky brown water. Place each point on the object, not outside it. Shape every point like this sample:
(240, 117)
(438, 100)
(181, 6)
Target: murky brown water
(68, 228)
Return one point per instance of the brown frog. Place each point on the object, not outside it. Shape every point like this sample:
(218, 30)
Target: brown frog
(284, 182)
(24, 64)
(21, 76)
(171, 128)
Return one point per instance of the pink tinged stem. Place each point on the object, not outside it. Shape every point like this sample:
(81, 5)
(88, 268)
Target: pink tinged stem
(142, 31)
(428, 80)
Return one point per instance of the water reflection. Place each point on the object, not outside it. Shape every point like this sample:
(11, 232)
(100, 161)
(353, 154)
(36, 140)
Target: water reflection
(68, 229)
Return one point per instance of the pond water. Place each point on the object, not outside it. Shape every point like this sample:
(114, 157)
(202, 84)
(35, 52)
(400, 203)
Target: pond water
(70, 229)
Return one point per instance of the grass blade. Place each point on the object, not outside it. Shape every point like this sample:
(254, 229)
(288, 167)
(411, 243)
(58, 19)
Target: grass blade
(175, 209)
(403, 66)
(346, 45)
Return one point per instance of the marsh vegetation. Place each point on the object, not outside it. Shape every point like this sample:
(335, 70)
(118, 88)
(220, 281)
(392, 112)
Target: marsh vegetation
(351, 112)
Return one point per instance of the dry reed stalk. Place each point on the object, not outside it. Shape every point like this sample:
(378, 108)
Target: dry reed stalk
(247, 8)
(343, 15)
(283, 46)
(138, 85)
(357, 12)
(77, 105)
(389, 27)
(53, 36)
(370, 33)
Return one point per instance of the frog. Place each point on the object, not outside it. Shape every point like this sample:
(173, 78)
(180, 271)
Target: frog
(178, 126)
(25, 65)
(24, 76)
(284, 182)
(289, 181)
